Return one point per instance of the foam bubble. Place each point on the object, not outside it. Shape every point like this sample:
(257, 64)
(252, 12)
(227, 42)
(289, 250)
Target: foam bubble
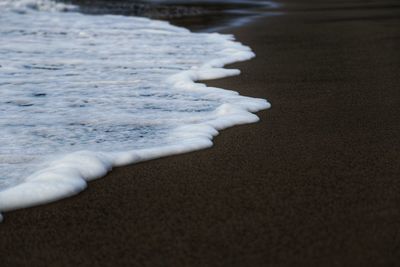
(81, 94)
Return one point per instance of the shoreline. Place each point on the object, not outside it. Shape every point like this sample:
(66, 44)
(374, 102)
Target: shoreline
(69, 177)
(315, 183)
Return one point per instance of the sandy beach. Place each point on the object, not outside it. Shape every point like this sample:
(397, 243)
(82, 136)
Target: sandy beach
(314, 183)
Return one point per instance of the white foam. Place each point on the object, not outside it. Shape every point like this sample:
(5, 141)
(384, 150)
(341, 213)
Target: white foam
(81, 94)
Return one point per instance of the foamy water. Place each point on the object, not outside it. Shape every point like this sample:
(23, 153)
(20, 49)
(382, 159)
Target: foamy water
(80, 94)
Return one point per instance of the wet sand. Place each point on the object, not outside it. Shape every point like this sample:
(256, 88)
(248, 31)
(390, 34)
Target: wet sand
(314, 183)
(197, 15)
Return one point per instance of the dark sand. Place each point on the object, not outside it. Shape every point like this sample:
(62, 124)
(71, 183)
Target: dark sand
(315, 183)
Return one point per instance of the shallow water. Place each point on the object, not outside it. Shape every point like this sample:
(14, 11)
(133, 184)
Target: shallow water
(197, 15)
(80, 94)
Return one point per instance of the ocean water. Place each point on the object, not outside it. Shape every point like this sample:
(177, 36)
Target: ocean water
(80, 94)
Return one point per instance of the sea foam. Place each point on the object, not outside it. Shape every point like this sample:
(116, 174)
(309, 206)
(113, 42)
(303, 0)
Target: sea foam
(81, 94)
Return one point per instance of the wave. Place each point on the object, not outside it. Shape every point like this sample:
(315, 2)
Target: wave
(81, 94)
